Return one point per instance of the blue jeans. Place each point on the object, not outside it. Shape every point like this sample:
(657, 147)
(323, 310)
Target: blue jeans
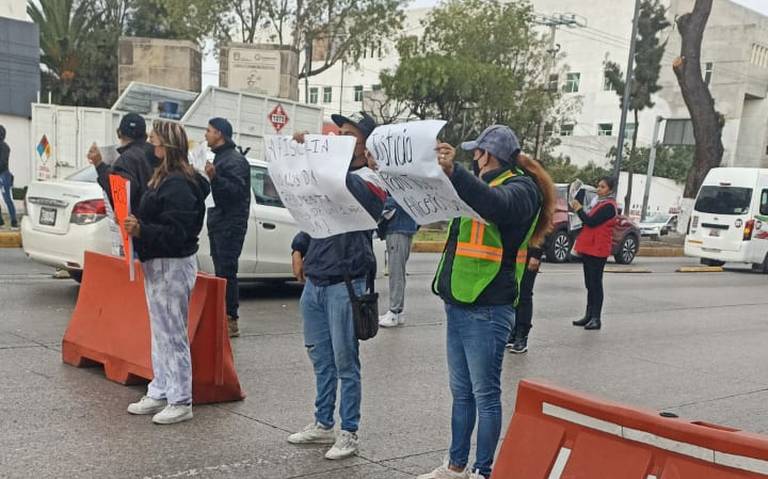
(329, 334)
(6, 185)
(475, 343)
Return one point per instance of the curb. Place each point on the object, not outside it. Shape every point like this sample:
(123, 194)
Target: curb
(700, 269)
(628, 270)
(10, 239)
(655, 252)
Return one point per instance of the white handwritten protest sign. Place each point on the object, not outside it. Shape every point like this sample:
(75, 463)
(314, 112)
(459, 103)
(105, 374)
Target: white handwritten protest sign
(311, 181)
(405, 154)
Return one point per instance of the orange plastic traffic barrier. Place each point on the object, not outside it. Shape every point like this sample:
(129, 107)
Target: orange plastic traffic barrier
(560, 434)
(110, 326)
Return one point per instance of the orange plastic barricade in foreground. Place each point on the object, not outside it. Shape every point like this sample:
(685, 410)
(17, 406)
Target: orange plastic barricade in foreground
(110, 326)
(560, 434)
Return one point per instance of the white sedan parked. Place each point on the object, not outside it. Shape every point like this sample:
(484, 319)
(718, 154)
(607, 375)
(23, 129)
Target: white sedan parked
(65, 218)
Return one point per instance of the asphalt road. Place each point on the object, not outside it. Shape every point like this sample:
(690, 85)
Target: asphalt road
(694, 344)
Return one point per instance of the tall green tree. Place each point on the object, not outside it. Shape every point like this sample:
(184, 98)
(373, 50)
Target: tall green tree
(645, 76)
(479, 62)
(672, 162)
(191, 20)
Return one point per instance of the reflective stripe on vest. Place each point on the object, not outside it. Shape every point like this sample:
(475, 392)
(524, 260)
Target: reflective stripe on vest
(479, 253)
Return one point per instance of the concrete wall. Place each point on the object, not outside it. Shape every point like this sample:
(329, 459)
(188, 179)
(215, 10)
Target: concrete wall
(262, 69)
(170, 63)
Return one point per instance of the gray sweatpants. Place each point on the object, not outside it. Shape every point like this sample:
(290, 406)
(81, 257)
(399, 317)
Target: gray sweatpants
(398, 251)
(168, 283)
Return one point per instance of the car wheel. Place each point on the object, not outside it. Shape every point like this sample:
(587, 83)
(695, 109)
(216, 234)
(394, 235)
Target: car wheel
(560, 247)
(627, 250)
(711, 262)
(761, 267)
(76, 274)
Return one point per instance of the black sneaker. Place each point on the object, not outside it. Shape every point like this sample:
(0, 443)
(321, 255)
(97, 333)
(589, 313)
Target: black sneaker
(520, 346)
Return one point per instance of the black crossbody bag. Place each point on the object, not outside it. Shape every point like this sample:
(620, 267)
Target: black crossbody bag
(365, 308)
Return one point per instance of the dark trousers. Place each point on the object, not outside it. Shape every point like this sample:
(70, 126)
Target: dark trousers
(524, 312)
(226, 247)
(593, 279)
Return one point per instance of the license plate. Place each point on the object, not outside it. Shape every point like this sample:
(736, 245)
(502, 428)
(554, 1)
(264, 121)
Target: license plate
(48, 216)
(714, 233)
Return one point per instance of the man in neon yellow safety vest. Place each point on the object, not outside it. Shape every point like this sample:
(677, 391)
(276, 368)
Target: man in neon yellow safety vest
(478, 279)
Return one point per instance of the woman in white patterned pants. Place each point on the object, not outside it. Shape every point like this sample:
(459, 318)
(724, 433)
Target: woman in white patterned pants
(165, 233)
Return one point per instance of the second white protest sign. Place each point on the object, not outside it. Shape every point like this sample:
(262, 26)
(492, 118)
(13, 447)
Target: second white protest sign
(407, 163)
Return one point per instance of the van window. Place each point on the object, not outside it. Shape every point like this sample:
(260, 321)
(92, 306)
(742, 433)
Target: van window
(723, 200)
(764, 203)
(263, 188)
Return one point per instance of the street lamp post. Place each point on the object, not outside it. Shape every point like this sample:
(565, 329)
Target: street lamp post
(627, 94)
(651, 166)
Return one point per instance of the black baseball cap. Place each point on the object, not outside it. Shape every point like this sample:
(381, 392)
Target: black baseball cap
(133, 126)
(361, 120)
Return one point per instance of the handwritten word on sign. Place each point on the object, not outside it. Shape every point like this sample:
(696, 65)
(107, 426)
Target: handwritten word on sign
(405, 154)
(311, 179)
(121, 198)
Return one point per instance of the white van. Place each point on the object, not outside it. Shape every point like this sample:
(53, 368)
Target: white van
(729, 222)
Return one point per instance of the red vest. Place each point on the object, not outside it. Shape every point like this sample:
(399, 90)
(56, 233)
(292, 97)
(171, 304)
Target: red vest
(598, 240)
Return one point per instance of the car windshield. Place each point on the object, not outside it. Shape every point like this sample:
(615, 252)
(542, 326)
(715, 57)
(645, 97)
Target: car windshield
(723, 200)
(657, 219)
(86, 175)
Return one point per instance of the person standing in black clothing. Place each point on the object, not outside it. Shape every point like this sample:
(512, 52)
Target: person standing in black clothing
(594, 245)
(230, 177)
(6, 180)
(136, 162)
(518, 339)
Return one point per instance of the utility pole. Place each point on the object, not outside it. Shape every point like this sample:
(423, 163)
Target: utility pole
(651, 165)
(553, 21)
(341, 89)
(627, 94)
(307, 68)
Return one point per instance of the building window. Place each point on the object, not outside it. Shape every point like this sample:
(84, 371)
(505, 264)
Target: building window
(709, 67)
(313, 95)
(359, 93)
(549, 130)
(376, 87)
(572, 81)
(327, 94)
(764, 202)
(605, 129)
(566, 129)
(554, 82)
(606, 82)
(629, 130)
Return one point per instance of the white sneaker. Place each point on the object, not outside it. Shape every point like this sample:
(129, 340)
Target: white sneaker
(346, 446)
(391, 320)
(443, 472)
(173, 413)
(313, 434)
(147, 405)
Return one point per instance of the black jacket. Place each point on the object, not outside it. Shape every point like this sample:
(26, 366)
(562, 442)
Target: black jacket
(136, 163)
(5, 154)
(327, 260)
(231, 188)
(171, 217)
(511, 207)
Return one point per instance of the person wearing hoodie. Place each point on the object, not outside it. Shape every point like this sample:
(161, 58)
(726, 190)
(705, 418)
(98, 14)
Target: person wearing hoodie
(398, 229)
(326, 308)
(230, 176)
(478, 279)
(6, 180)
(165, 231)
